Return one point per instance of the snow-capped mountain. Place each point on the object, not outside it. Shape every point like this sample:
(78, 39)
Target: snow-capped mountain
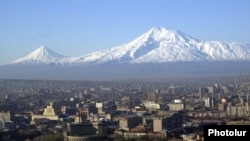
(163, 45)
(158, 45)
(42, 55)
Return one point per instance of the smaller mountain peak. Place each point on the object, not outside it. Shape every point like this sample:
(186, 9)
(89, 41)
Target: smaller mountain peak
(41, 55)
(43, 50)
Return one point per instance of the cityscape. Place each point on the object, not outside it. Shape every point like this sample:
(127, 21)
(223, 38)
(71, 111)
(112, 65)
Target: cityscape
(108, 70)
(173, 109)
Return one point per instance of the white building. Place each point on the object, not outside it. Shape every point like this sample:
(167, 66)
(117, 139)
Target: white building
(209, 102)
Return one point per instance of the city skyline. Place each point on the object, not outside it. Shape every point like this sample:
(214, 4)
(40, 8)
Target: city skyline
(82, 27)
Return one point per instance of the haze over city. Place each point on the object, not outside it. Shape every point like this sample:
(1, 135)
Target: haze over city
(81, 27)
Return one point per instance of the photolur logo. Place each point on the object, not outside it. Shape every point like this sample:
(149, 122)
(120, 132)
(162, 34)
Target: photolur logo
(225, 132)
(214, 132)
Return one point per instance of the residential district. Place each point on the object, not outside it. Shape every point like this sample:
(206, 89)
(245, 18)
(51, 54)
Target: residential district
(173, 110)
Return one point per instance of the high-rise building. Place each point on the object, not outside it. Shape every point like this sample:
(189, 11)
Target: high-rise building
(82, 115)
(80, 95)
(203, 92)
(152, 96)
(209, 102)
(157, 125)
(99, 107)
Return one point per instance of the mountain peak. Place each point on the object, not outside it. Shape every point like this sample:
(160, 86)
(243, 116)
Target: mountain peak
(158, 29)
(42, 50)
(161, 33)
(41, 55)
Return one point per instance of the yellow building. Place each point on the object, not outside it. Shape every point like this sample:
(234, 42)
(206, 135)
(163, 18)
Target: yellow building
(48, 113)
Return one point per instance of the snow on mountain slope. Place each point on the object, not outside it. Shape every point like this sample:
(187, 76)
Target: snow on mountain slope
(138, 47)
(164, 45)
(226, 51)
(153, 40)
(42, 55)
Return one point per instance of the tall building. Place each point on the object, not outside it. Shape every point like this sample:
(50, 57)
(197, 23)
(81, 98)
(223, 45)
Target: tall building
(153, 97)
(203, 92)
(209, 102)
(82, 115)
(222, 107)
(6, 119)
(157, 125)
(80, 95)
(99, 107)
(211, 90)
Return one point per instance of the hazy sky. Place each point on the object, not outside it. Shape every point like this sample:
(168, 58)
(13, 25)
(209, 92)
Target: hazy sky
(78, 27)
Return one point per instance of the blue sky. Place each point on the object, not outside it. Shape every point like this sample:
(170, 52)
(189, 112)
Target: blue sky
(78, 27)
